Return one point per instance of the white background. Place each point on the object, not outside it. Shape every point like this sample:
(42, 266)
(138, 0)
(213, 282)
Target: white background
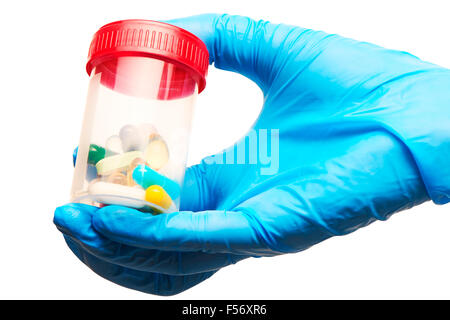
(43, 85)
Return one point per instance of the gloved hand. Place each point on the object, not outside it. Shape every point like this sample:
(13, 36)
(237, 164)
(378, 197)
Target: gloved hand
(364, 132)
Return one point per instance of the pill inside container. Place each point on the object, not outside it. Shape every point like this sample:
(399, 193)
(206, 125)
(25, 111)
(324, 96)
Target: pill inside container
(144, 80)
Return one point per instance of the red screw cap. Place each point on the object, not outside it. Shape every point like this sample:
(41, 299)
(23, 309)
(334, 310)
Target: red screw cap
(153, 39)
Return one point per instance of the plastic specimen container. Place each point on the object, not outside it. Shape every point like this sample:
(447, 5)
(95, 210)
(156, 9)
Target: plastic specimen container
(144, 80)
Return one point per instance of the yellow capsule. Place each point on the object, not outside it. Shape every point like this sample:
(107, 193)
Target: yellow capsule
(157, 195)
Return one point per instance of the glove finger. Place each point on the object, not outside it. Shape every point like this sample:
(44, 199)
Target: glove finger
(240, 44)
(75, 221)
(274, 55)
(148, 282)
(206, 231)
(365, 177)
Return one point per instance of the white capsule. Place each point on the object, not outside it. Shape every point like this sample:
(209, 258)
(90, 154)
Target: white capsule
(117, 162)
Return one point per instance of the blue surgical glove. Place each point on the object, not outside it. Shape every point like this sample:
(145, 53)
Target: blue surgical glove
(362, 132)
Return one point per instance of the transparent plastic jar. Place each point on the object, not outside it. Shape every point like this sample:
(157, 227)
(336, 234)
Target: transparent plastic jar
(144, 80)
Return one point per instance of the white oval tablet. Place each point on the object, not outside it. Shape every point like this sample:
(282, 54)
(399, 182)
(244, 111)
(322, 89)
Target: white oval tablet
(112, 193)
